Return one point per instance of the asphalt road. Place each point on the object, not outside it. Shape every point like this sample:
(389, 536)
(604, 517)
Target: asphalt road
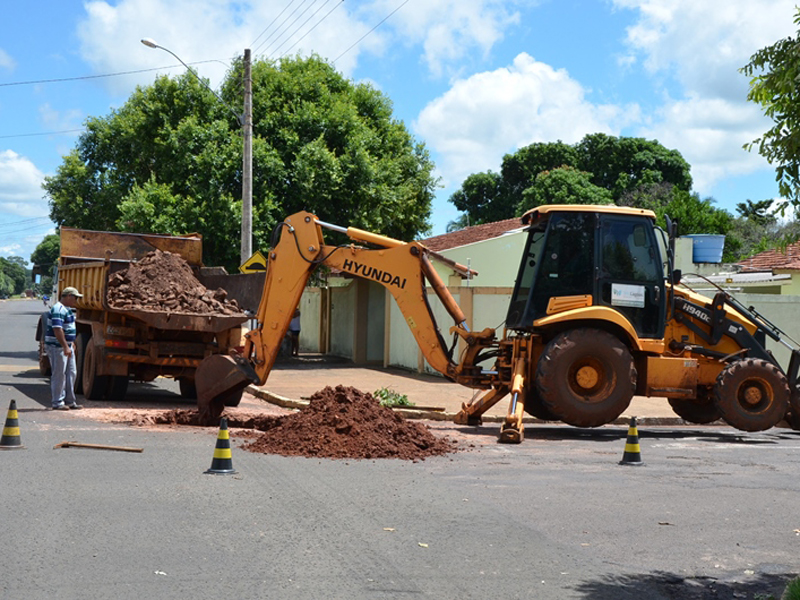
(712, 514)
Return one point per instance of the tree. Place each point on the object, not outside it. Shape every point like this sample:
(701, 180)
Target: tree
(480, 198)
(170, 160)
(45, 255)
(564, 185)
(774, 74)
(15, 278)
(619, 165)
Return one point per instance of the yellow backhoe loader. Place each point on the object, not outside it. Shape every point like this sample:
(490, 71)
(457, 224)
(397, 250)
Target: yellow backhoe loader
(597, 316)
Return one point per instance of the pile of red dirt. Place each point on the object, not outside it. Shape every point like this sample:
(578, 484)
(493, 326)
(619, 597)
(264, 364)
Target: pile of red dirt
(164, 282)
(343, 422)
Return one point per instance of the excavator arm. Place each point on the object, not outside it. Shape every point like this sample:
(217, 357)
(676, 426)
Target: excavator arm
(402, 268)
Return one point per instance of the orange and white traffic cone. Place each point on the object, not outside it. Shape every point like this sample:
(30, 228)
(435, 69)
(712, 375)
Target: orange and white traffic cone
(633, 454)
(222, 464)
(10, 439)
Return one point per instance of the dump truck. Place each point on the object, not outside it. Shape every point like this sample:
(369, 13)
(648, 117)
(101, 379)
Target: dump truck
(597, 316)
(115, 346)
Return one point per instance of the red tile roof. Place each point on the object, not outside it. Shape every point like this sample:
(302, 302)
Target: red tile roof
(774, 259)
(470, 235)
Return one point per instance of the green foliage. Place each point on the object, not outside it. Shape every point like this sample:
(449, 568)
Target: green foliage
(792, 591)
(170, 160)
(388, 397)
(598, 169)
(774, 74)
(563, 185)
(45, 256)
(13, 277)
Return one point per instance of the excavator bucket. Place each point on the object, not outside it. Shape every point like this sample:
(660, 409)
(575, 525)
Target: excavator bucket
(218, 377)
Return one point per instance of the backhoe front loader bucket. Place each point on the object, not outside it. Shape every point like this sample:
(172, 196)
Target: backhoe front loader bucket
(218, 377)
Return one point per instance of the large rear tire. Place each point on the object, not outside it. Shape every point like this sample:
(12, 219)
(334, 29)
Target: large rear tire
(752, 395)
(535, 407)
(188, 388)
(586, 377)
(94, 386)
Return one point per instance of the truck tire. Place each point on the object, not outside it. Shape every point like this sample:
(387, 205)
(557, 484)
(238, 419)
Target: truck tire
(117, 387)
(701, 411)
(188, 388)
(586, 377)
(44, 360)
(752, 394)
(95, 386)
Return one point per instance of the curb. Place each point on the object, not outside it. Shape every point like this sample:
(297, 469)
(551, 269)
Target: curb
(430, 415)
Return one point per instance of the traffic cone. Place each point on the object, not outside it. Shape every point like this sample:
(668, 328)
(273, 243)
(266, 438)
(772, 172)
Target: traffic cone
(632, 455)
(222, 463)
(10, 439)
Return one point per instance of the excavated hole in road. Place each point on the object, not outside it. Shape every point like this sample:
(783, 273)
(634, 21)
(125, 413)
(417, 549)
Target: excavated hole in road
(339, 422)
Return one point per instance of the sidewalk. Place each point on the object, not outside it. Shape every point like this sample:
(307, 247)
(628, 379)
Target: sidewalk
(293, 380)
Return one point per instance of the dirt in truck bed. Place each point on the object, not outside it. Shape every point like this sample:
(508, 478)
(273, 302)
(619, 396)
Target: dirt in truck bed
(164, 282)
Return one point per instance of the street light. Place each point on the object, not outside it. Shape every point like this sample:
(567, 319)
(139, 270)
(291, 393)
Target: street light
(245, 121)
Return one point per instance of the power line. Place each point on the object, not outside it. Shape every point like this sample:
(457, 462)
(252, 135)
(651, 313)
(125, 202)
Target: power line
(358, 41)
(272, 23)
(271, 35)
(297, 18)
(312, 28)
(24, 222)
(82, 77)
(20, 135)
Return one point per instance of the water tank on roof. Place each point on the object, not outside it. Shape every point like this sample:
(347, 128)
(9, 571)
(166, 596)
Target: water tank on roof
(707, 248)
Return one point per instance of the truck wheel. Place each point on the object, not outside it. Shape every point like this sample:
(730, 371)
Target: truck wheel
(586, 377)
(44, 360)
(117, 387)
(188, 388)
(81, 342)
(94, 386)
(535, 407)
(752, 395)
(700, 411)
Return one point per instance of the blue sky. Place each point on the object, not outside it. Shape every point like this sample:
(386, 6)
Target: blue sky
(472, 79)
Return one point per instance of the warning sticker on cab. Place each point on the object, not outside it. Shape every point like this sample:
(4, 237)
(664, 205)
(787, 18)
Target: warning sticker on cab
(627, 295)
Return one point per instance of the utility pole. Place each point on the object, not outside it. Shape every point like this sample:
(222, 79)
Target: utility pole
(247, 163)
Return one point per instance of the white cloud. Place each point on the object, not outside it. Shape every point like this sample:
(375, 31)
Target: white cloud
(60, 120)
(446, 31)
(450, 30)
(710, 133)
(6, 62)
(705, 43)
(489, 114)
(20, 186)
(702, 46)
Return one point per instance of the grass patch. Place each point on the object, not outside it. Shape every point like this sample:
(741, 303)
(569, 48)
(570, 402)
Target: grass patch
(388, 397)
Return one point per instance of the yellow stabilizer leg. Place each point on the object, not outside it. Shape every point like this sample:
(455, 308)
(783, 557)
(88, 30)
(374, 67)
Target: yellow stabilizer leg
(513, 430)
(470, 414)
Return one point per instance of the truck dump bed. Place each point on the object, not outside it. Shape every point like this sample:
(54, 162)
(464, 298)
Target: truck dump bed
(89, 257)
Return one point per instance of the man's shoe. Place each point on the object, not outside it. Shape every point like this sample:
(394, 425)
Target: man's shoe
(74, 406)
(61, 407)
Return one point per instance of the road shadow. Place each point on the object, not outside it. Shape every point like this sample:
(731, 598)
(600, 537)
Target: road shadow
(615, 433)
(664, 585)
(32, 355)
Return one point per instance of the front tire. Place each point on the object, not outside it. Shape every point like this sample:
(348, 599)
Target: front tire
(752, 395)
(586, 377)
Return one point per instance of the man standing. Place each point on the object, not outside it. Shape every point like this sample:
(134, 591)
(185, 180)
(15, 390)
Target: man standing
(60, 343)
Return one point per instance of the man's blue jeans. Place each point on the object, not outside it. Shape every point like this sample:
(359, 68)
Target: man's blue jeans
(62, 381)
